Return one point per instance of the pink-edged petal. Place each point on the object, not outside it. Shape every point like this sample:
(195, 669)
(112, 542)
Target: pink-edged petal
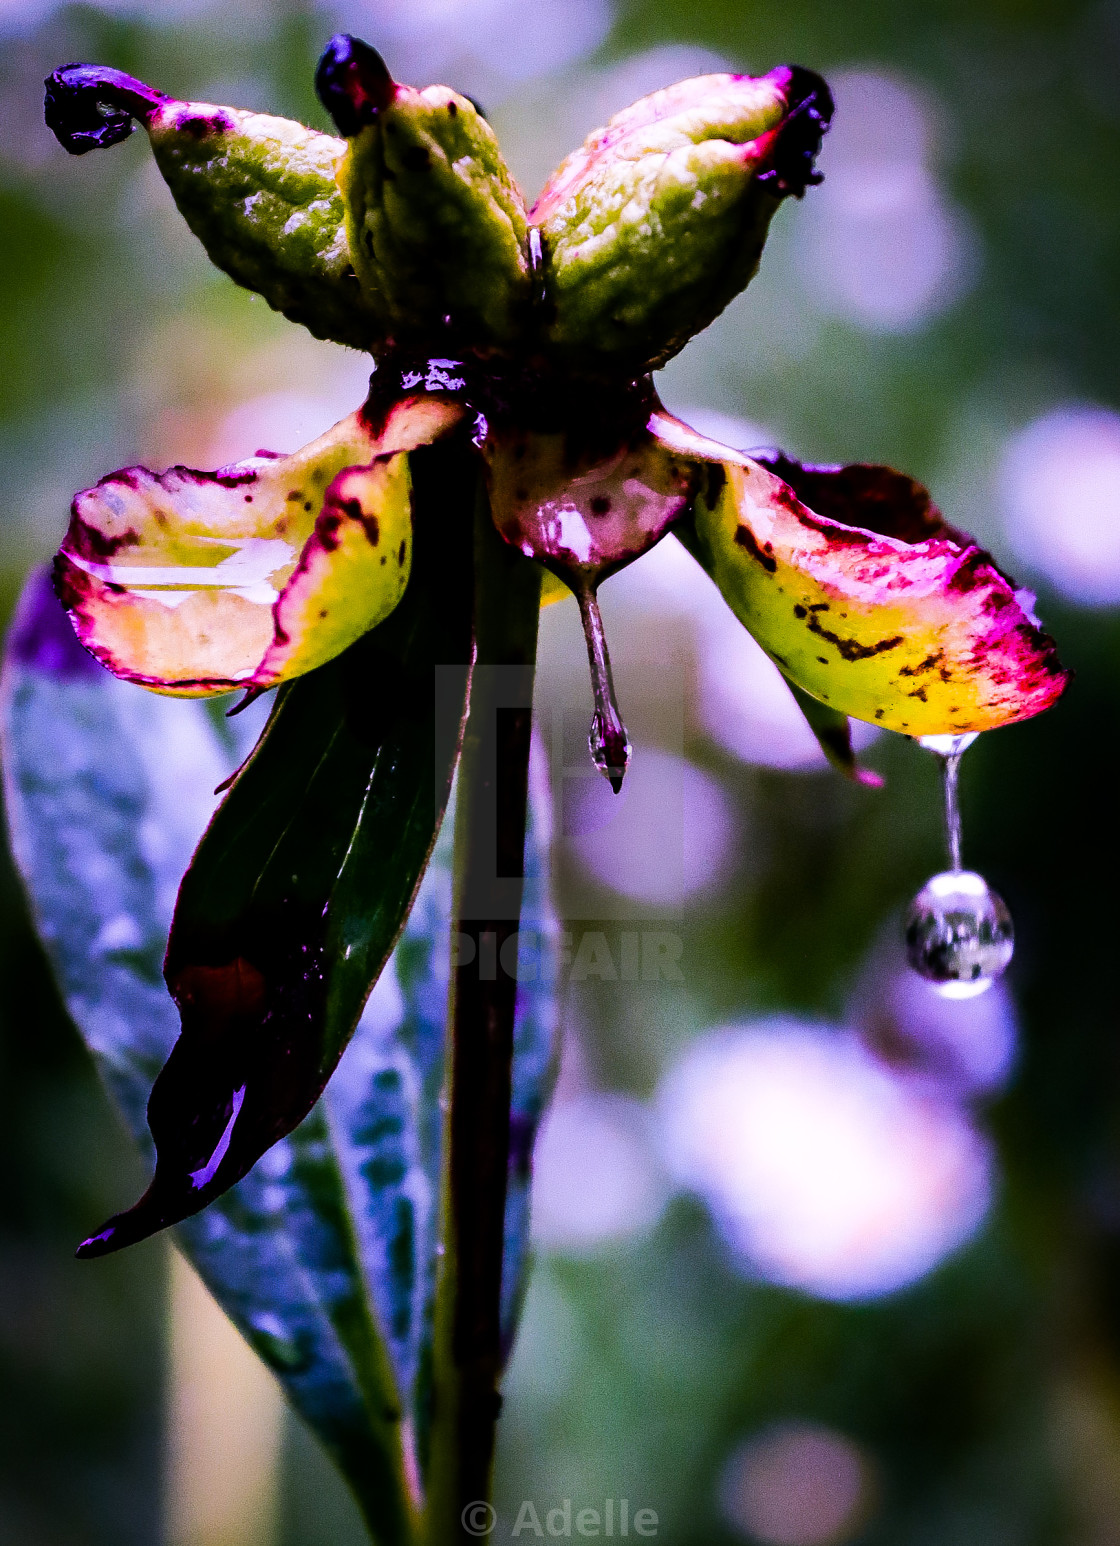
(179, 581)
(352, 572)
(876, 607)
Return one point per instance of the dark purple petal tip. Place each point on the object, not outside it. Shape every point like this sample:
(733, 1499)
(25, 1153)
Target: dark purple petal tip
(353, 83)
(809, 112)
(89, 106)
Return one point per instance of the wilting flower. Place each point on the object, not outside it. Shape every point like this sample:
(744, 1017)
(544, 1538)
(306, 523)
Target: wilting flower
(530, 332)
(512, 353)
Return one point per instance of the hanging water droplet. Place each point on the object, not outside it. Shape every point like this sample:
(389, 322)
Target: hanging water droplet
(959, 933)
(608, 742)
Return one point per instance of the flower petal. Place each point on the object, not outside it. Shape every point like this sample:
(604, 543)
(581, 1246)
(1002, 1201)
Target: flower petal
(589, 499)
(651, 227)
(195, 583)
(436, 223)
(876, 607)
(258, 191)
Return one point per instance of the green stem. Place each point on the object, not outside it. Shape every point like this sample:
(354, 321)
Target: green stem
(489, 857)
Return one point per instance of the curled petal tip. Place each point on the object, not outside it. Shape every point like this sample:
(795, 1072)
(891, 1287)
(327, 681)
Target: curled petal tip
(90, 107)
(797, 140)
(353, 83)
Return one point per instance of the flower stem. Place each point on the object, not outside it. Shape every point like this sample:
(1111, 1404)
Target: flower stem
(489, 857)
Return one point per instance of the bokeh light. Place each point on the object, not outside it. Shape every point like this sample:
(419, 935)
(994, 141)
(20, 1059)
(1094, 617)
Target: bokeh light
(466, 43)
(822, 1169)
(1060, 487)
(671, 836)
(887, 249)
(596, 1179)
(797, 1484)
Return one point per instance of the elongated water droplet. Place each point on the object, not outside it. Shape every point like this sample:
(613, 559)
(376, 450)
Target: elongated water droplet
(608, 741)
(949, 749)
(959, 933)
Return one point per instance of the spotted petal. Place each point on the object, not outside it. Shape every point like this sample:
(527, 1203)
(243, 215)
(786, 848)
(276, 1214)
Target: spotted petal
(194, 583)
(853, 583)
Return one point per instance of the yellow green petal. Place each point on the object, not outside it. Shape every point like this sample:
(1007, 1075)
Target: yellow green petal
(659, 219)
(258, 191)
(890, 615)
(351, 573)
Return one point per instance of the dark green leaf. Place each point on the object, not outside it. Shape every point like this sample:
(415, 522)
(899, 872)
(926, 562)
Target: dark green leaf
(108, 788)
(324, 1255)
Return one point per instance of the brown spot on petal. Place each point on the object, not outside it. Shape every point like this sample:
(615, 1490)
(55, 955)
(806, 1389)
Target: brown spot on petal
(852, 649)
(927, 664)
(746, 539)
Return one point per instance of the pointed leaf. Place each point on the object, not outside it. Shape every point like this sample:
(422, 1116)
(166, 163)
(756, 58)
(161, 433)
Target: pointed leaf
(107, 790)
(325, 1254)
(387, 1118)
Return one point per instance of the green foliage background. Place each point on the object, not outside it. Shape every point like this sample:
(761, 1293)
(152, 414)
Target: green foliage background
(989, 1393)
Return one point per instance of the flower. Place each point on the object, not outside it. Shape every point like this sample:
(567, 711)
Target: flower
(531, 333)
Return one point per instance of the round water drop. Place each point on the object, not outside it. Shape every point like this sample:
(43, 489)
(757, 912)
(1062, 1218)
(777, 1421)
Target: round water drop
(959, 933)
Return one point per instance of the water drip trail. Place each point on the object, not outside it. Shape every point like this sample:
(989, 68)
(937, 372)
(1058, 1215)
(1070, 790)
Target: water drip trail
(949, 749)
(950, 776)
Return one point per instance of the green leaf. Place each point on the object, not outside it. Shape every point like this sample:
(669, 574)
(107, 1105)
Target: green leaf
(107, 789)
(324, 1255)
(385, 1100)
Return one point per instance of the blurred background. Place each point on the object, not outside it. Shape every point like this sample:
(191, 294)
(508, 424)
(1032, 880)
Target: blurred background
(822, 1258)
